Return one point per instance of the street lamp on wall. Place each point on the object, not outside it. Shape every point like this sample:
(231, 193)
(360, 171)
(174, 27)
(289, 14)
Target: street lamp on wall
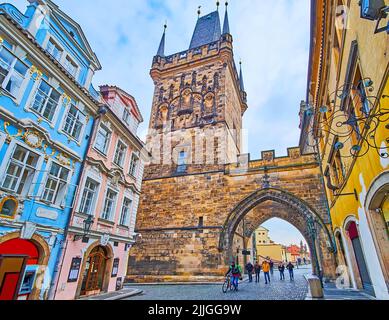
(87, 225)
(375, 10)
(355, 134)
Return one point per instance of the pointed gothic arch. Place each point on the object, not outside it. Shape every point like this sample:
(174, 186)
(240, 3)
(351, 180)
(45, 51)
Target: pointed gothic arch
(285, 198)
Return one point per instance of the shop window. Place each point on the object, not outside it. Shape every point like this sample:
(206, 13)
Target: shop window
(28, 280)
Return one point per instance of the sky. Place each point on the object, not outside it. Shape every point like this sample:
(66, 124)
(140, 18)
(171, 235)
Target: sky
(283, 232)
(270, 37)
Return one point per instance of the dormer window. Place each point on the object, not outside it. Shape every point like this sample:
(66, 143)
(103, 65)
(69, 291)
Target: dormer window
(126, 116)
(54, 50)
(70, 66)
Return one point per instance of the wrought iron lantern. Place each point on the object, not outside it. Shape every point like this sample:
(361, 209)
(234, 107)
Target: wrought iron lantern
(352, 118)
(87, 225)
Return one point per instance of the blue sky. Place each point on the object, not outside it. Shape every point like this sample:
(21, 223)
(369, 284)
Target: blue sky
(271, 38)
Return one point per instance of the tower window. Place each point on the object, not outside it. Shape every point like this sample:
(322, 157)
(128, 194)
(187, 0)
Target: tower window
(201, 221)
(182, 162)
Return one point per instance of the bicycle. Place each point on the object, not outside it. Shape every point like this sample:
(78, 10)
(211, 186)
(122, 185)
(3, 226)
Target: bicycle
(227, 285)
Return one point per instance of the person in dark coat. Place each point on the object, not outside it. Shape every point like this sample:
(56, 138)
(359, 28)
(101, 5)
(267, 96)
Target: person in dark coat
(249, 269)
(257, 269)
(290, 267)
(281, 269)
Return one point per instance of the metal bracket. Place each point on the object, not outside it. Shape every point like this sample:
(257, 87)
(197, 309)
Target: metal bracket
(383, 15)
(355, 194)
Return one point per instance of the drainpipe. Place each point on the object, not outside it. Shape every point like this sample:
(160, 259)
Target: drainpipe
(52, 293)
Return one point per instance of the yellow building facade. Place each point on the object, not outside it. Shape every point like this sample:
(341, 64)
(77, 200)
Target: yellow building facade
(345, 119)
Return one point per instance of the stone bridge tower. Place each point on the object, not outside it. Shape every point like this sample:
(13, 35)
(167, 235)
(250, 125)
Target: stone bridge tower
(193, 200)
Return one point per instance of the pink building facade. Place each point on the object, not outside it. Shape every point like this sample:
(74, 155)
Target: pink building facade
(101, 229)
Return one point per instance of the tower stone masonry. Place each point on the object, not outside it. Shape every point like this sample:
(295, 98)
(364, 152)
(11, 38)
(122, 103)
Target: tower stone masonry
(198, 187)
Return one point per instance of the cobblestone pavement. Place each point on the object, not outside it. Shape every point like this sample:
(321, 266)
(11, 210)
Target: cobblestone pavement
(277, 290)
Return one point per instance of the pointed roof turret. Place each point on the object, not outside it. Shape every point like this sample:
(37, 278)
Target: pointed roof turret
(241, 83)
(226, 25)
(161, 48)
(208, 30)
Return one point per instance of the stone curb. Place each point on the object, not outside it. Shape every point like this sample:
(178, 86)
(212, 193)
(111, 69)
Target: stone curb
(125, 295)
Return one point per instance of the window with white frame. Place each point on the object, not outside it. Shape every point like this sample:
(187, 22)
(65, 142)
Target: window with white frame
(74, 122)
(102, 139)
(70, 66)
(109, 205)
(126, 212)
(126, 116)
(46, 101)
(88, 196)
(54, 50)
(20, 171)
(134, 164)
(12, 72)
(120, 153)
(56, 184)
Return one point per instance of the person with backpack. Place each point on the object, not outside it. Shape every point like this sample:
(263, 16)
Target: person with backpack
(236, 273)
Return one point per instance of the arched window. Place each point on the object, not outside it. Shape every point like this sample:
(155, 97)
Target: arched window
(8, 207)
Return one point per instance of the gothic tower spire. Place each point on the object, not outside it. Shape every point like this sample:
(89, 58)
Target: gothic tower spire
(161, 48)
(226, 25)
(241, 83)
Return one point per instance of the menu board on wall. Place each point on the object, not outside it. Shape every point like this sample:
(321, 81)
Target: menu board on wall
(74, 269)
(115, 268)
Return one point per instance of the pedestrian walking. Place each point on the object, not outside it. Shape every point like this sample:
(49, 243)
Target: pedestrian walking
(266, 271)
(271, 263)
(249, 269)
(257, 269)
(290, 267)
(281, 269)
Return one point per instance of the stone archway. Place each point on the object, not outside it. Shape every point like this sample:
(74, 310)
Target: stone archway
(298, 210)
(44, 256)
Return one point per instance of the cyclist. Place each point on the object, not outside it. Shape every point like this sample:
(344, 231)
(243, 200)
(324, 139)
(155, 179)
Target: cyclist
(235, 271)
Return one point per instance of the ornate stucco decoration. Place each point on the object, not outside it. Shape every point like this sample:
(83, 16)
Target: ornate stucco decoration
(32, 139)
(35, 71)
(62, 159)
(66, 99)
(9, 135)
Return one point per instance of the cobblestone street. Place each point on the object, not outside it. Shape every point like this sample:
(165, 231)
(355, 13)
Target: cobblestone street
(277, 290)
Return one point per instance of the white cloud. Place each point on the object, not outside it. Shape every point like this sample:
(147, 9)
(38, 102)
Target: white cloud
(271, 37)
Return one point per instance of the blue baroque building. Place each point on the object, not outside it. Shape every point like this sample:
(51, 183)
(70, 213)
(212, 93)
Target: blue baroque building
(47, 109)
